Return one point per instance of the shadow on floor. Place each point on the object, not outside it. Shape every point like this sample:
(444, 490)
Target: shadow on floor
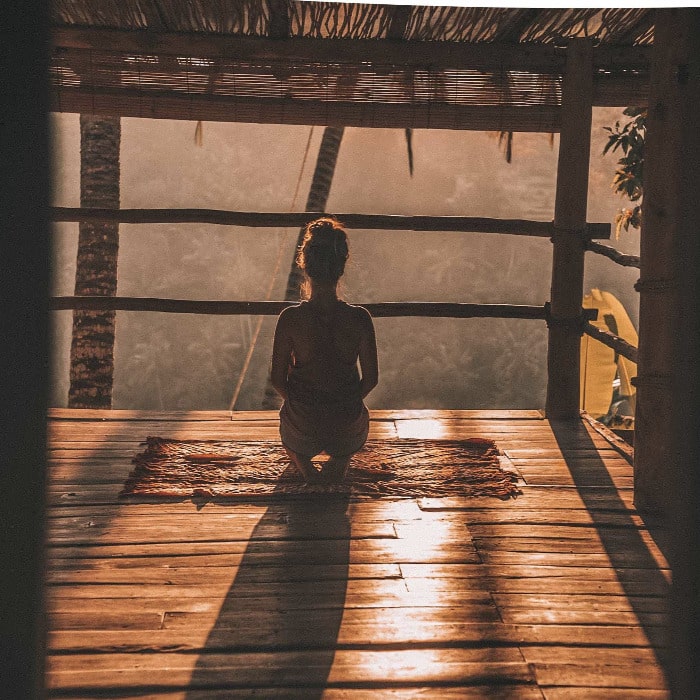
(636, 568)
(278, 625)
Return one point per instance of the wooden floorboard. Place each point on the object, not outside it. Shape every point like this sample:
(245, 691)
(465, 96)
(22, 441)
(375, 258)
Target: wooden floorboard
(559, 594)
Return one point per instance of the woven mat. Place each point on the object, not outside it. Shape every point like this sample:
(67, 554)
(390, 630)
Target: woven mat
(212, 470)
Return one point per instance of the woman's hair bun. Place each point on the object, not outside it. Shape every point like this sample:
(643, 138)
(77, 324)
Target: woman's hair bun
(321, 226)
(324, 250)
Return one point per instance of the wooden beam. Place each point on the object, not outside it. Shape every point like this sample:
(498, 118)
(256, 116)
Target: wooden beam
(545, 58)
(565, 326)
(436, 54)
(385, 222)
(158, 104)
(25, 278)
(621, 75)
(273, 308)
(621, 90)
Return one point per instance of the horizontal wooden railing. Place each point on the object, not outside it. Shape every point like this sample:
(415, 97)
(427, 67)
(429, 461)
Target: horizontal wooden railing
(613, 254)
(619, 345)
(385, 222)
(273, 308)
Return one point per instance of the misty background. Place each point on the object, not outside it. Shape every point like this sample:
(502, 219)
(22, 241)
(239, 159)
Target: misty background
(190, 362)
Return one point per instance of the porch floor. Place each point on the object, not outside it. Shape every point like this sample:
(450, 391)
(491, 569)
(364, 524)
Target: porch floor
(560, 593)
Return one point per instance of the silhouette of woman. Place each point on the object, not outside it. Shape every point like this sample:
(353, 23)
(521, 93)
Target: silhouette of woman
(314, 361)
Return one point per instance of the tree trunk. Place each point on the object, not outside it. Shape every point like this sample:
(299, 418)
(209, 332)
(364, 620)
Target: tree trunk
(92, 345)
(317, 200)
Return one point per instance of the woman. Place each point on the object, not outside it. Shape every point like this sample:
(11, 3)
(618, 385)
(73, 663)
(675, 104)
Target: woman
(314, 361)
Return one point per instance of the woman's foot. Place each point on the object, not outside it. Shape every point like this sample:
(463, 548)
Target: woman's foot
(335, 470)
(305, 466)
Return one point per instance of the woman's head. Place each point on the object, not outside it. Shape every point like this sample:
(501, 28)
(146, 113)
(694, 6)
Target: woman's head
(324, 251)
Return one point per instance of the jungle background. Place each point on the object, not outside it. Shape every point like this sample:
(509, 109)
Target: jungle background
(188, 362)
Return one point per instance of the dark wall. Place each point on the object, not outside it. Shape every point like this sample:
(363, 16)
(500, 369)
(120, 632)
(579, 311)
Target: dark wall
(24, 280)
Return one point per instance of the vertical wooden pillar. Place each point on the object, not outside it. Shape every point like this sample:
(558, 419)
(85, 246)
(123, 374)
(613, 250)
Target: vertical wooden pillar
(24, 281)
(664, 162)
(565, 323)
(667, 439)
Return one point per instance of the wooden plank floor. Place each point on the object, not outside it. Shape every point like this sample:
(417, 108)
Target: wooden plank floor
(561, 593)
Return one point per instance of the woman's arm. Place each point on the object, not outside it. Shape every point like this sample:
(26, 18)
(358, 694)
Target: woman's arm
(281, 355)
(368, 355)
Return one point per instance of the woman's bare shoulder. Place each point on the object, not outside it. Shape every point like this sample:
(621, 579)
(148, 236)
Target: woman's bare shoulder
(290, 315)
(359, 314)
(359, 310)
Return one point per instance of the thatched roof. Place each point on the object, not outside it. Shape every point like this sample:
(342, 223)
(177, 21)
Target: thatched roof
(291, 61)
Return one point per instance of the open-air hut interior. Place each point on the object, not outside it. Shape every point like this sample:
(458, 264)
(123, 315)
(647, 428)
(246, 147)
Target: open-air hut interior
(409, 67)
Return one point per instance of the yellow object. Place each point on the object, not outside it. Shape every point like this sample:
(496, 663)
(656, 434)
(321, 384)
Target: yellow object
(599, 364)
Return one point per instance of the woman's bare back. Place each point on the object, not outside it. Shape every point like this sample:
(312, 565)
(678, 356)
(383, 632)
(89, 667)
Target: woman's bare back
(327, 338)
(315, 356)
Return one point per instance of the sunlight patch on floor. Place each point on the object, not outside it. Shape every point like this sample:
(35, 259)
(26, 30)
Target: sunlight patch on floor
(423, 429)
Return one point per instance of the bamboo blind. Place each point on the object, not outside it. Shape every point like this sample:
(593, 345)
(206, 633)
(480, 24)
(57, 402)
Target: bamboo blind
(327, 82)
(498, 92)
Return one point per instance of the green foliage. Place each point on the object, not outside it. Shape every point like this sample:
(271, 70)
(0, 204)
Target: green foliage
(629, 175)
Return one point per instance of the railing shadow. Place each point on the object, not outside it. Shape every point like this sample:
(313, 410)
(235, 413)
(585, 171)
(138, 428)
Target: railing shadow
(279, 622)
(635, 566)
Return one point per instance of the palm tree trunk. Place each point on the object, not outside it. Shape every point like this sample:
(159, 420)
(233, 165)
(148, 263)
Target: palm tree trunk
(318, 198)
(92, 344)
(316, 202)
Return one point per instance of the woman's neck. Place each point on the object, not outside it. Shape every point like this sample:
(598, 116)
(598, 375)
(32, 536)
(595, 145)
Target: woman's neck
(324, 293)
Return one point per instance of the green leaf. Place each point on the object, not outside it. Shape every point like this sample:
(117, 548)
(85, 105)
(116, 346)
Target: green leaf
(627, 179)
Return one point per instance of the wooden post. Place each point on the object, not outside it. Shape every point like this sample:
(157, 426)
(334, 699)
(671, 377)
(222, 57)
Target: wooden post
(24, 281)
(654, 415)
(667, 437)
(565, 323)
